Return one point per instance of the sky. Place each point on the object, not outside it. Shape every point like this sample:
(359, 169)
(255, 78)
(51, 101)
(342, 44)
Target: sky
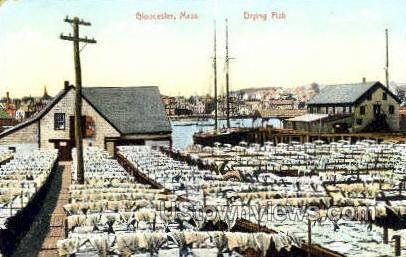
(325, 41)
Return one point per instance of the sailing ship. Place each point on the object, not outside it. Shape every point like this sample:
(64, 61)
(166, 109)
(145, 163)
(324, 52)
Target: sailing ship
(226, 134)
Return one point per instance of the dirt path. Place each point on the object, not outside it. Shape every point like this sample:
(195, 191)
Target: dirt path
(48, 226)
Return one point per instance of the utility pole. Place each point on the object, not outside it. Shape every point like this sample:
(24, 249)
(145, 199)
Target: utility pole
(215, 78)
(75, 22)
(227, 80)
(387, 59)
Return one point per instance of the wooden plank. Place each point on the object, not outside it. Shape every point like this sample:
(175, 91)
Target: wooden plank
(48, 253)
(57, 223)
(57, 220)
(58, 232)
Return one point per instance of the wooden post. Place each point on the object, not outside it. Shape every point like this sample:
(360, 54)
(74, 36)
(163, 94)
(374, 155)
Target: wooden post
(78, 105)
(309, 236)
(385, 235)
(78, 96)
(154, 222)
(22, 200)
(204, 198)
(387, 59)
(398, 248)
(66, 229)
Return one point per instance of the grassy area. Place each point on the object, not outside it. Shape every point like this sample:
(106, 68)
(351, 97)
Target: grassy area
(31, 244)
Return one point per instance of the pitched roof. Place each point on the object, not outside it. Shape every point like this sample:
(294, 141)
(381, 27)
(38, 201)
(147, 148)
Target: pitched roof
(345, 93)
(131, 110)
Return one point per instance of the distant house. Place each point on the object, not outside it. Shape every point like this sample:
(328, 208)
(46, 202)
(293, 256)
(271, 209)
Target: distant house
(199, 108)
(169, 104)
(253, 105)
(284, 104)
(20, 114)
(9, 106)
(112, 116)
(5, 120)
(359, 107)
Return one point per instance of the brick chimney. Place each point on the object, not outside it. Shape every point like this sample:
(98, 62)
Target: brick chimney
(364, 80)
(66, 84)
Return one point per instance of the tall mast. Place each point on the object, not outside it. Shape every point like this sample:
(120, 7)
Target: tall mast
(227, 80)
(387, 59)
(215, 78)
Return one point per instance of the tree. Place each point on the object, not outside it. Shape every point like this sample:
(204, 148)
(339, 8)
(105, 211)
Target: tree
(401, 92)
(315, 87)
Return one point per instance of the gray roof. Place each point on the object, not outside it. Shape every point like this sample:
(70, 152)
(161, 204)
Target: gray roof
(131, 110)
(344, 93)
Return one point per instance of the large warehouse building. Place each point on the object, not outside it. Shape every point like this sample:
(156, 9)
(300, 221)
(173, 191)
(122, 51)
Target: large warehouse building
(357, 107)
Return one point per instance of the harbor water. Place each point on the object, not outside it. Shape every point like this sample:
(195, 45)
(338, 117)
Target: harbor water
(182, 131)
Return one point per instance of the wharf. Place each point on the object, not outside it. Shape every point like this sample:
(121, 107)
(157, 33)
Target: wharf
(262, 135)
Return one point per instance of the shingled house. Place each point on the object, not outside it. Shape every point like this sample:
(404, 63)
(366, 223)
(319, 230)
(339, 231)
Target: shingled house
(5, 120)
(358, 107)
(112, 116)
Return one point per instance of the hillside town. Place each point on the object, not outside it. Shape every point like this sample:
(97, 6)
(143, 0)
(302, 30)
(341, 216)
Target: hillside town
(265, 102)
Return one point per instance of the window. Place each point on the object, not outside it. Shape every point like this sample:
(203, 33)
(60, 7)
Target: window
(391, 109)
(384, 96)
(369, 97)
(362, 110)
(59, 121)
(359, 121)
(330, 110)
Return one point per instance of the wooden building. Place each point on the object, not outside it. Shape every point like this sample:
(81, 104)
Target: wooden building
(112, 116)
(402, 118)
(6, 120)
(358, 107)
(169, 104)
